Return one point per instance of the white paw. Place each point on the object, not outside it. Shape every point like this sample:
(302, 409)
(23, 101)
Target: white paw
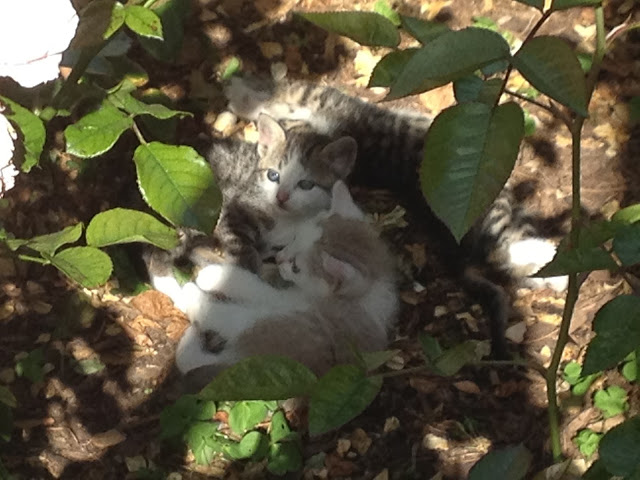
(557, 284)
(531, 255)
(170, 287)
(211, 278)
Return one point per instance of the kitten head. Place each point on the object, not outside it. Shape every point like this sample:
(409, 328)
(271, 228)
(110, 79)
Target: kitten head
(336, 253)
(298, 167)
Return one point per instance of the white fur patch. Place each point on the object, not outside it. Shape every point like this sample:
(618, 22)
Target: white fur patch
(170, 287)
(530, 256)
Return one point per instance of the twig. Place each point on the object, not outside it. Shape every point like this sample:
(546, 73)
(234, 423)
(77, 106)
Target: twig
(138, 133)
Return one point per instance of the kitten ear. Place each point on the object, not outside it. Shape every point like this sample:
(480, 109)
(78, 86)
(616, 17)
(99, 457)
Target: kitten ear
(339, 271)
(271, 134)
(342, 204)
(340, 156)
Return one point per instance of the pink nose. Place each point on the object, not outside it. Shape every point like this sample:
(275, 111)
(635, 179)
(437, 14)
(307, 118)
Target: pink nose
(282, 197)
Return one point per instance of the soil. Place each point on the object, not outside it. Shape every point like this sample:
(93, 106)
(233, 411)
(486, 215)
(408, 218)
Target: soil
(76, 423)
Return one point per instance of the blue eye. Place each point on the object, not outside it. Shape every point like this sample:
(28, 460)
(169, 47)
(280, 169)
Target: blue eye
(306, 184)
(273, 175)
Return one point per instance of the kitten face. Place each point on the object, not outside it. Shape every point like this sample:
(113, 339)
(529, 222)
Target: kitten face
(305, 262)
(298, 169)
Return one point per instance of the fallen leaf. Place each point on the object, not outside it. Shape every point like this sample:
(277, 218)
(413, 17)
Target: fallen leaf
(434, 442)
(360, 441)
(270, 49)
(383, 475)
(418, 254)
(467, 386)
(344, 445)
(108, 438)
(391, 424)
(516, 332)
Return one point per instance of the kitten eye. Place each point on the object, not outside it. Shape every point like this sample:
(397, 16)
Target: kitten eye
(306, 184)
(294, 267)
(273, 175)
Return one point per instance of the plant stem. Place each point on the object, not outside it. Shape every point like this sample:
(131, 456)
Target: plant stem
(528, 99)
(138, 133)
(65, 93)
(574, 286)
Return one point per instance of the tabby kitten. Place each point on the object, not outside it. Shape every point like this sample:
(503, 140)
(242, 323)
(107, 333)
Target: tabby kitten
(343, 296)
(390, 148)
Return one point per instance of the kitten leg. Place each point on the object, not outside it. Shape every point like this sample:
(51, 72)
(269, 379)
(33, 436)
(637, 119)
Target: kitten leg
(529, 256)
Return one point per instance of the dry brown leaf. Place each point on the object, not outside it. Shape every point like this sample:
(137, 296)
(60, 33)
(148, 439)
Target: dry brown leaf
(435, 442)
(343, 446)
(108, 438)
(424, 385)
(383, 475)
(467, 386)
(418, 254)
(360, 441)
(339, 467)
(270, 49)
(391, 424)
(438, 99)
(516, 332)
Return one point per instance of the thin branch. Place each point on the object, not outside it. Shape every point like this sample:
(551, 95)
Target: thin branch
(138, 133)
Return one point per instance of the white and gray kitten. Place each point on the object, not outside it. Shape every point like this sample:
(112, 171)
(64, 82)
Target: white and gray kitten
(343, 295)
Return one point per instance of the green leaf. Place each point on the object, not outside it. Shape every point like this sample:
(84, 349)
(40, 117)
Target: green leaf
(95, 20)
(385, 9)
(597, 471)
(143, 21)
(339, 396)
(564, 4)
(572, 372)
(430, 346)
(7, 397)
(627, 215)
(172, 14)
(474, 89)
(6, 426)
(246, 415)
(89, 366)
(118, 15)
(626, 244)
(539, 4)
(630, 368)
(587, 441)
(452, 360)
(510, 462)
(31, 366)
(612, 401)
(634, 110)
(373, 360)
(253, 444)
(619, 448)
(448, 57)
(178, 184)
(423, 30)
(48, 244)
(88, 266)
(389, 67)
(125, 101)
(366, 28)
(577, 261)
(96, 132)
(203, 442)
(177, 418)
(469, 153)
(284, 457)
(549, 64)
(121, 225)
(279, 428)
(617, 327)
(32, 129)
(529, 124)
(264, 377)
(232, 67)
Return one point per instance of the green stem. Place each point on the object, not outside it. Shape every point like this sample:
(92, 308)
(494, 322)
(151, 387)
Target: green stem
(138, 133)
(574, 286)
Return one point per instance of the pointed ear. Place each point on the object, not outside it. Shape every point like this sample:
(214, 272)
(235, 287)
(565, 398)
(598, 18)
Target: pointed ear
(342, 204)
(339, 271)
(340, 155)
(271, 134)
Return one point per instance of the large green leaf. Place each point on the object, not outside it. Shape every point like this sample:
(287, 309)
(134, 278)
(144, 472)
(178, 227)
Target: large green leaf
(96, 132)
(617, 325)
(32, 130)
(121, 225)
(619, 448)
(284, 457)
(125, 101)
(246, 415)
(626, 244)
(366, 28)
(627, 215)
(581, 259)
(88, 266)
(469, 153)
(539, 4)
(253, 444)
(143, 21)
(564, 4)
(449, 56)
(474, 89)
(423, 30)
(452, 360)
(339, 396)
(172, 14)
(178, 183)
(510, 462)
(49, 243)
(549, 64)
(390, 66)
(203, 441)
(265, 377)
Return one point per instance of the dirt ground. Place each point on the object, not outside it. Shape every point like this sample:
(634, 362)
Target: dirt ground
(109, 356)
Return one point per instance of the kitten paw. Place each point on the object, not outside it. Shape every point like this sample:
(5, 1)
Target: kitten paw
(211, 278)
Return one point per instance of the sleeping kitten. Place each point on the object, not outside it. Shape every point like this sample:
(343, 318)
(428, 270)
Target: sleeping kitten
(343, 296)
